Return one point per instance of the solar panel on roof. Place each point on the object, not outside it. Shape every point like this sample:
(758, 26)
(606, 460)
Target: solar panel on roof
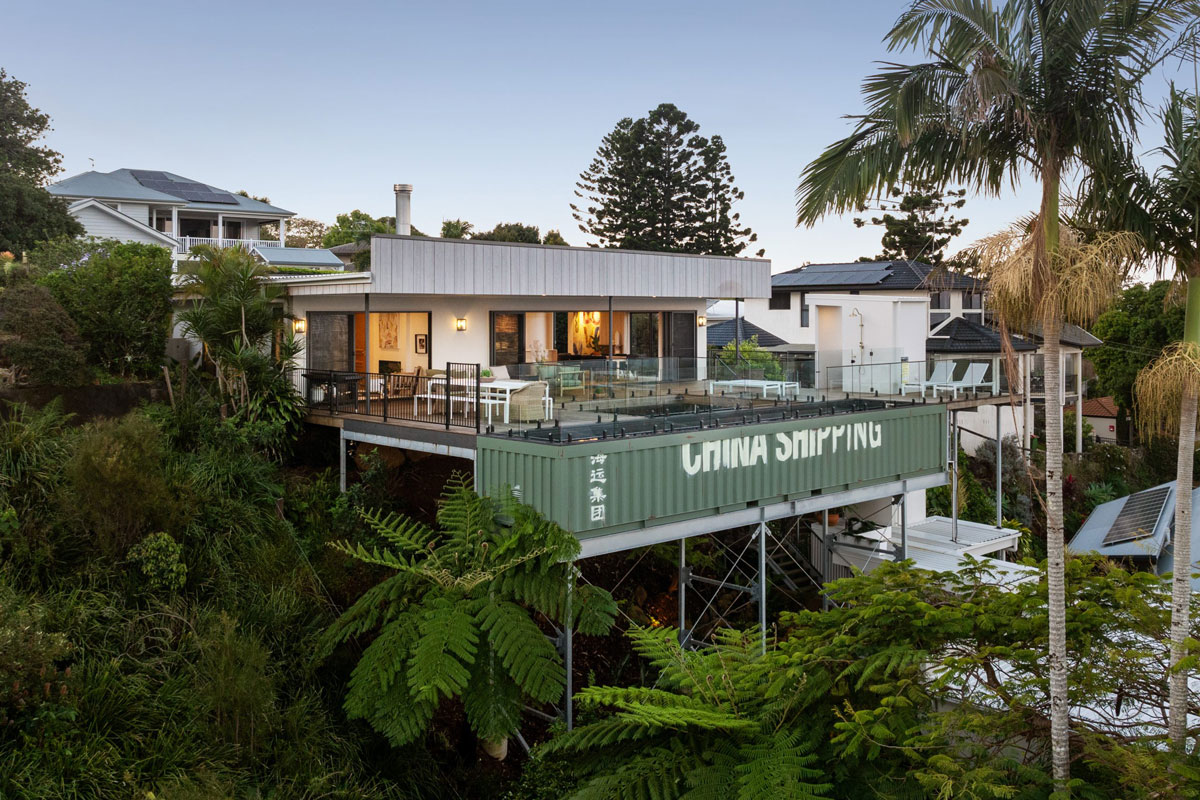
(187, 190)
(143, 175)
(812, 276)
(1138, 517)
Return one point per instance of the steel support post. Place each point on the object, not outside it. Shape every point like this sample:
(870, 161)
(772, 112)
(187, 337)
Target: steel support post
(342, 458)
(762, 585)
(683, 584)
(954, 476)
(904, 526)
(569, 655)
(999, 472)
(827, 552)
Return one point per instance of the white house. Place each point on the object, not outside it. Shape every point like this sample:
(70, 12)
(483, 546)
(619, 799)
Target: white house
(956, 326)
(156, 207)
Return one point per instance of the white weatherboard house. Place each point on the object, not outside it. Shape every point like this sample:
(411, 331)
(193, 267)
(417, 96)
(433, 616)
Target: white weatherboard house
(156, 207)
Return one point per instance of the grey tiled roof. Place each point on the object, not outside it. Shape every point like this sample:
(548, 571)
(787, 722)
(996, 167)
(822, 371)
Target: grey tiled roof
(961, 335)
(120, 184)
(722, 333)
(873, 276)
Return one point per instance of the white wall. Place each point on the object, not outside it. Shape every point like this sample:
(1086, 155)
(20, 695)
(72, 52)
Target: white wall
(865, 330)
(407, 326)
(786, 323)
(137, 211)
(106, 226)
(1100, 428)
(783, 323)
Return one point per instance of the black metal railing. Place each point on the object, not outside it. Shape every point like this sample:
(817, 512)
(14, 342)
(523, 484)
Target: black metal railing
(447, 397)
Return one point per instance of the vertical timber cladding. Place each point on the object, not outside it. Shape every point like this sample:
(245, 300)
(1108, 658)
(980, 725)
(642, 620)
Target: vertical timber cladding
(603, 487)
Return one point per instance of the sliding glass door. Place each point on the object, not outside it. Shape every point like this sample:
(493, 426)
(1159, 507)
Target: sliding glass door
(329, 342)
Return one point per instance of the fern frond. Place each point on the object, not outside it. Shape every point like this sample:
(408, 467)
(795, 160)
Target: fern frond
(491, 700)
(439, 666)
(657, 774)
(780, 767)
(594, 611)
(524, 650)
(406, 535)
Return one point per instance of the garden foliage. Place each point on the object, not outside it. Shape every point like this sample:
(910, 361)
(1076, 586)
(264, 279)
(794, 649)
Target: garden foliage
(454, 620)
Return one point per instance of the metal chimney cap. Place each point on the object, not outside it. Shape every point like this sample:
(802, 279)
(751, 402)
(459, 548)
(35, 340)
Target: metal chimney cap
(406, 188)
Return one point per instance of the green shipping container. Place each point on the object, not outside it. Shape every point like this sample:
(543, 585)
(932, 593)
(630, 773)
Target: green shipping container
(602, 487)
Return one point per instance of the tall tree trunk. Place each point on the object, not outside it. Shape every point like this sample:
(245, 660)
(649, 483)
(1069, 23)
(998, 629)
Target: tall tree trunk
(1181, 589)
(1056, 560)
(1056, 579)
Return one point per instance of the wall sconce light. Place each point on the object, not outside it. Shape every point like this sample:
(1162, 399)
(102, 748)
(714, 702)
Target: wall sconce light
(300, 325)
(460, 324)
(701, 321)
(595, 317)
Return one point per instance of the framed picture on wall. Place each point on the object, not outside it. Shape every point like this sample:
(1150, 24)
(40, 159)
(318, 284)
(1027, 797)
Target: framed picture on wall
(421, 344)
(389, 334)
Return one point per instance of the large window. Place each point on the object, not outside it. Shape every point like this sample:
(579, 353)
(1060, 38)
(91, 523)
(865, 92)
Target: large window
(803, 310)
(508, 338)
(781, 300)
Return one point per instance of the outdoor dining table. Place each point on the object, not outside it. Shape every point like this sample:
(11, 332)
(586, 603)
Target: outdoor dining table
(499, 392)
(781, 388)
(465, 391)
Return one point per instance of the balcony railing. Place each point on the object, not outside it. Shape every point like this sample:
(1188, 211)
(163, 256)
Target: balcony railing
(941, 377)
(186, 243)
(450, 399)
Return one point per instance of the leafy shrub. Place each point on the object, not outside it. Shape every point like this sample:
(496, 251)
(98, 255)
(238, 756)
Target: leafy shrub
(753, 357)
(32, 688)
(115, 486)
(234, 683)
(975, 503)
(118, 294)
(159, 562)
(38, 340)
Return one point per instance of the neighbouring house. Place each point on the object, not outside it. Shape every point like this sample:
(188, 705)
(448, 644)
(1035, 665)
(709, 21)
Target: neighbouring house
(346, 253)
(1101, 413)
(962, 345)
(157, 207)
(1139, 529)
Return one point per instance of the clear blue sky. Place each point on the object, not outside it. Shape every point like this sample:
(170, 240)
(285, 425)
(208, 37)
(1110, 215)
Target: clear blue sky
(491, 110)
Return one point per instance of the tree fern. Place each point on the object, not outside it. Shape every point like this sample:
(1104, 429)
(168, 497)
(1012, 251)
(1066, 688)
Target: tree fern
(455, 618)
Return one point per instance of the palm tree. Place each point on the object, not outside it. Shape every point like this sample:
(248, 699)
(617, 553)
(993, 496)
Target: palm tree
(1038, 87)
(234, 314)
(1164, 210)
